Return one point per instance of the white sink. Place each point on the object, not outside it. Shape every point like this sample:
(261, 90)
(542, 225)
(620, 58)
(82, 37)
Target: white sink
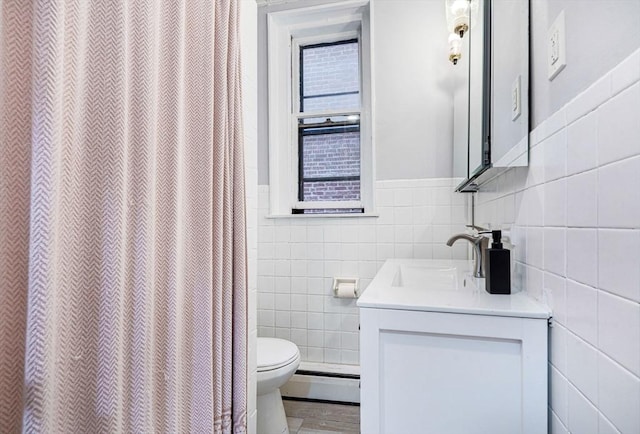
(442, 286)
(436, 277)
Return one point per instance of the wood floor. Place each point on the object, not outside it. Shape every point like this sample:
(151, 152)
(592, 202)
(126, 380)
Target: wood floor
(320, 418)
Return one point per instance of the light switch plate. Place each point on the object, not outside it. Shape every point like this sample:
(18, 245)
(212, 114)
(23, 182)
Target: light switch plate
(556, 48)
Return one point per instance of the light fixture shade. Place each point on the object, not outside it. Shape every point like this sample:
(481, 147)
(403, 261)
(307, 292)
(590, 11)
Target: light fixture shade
(455, 48)
(458, 12)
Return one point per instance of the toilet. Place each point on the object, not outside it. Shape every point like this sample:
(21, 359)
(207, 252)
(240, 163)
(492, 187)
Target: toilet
(278, 359)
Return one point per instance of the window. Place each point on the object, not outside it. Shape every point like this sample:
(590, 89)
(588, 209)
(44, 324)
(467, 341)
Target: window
(320, 150)
(328, 123)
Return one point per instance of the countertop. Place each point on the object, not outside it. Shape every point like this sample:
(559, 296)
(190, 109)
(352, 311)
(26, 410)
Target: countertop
(443, 286)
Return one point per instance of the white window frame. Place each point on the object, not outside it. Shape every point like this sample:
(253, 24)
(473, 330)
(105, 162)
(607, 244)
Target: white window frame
(286, 30)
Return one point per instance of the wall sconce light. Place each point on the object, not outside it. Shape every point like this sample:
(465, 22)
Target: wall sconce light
(455, 48)
(458, 12)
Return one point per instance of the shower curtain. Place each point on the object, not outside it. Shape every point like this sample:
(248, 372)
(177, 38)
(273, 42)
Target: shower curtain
(122, 220)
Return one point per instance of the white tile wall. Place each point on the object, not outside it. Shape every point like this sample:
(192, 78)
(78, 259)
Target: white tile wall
(583, 415)
(579, 204)
(618, 271)
(582, 366)
(619, 330)
(582, 260)
(619, 396)
(300, 256)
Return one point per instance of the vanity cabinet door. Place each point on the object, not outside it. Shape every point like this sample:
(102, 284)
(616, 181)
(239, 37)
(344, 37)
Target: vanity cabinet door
(431, 372)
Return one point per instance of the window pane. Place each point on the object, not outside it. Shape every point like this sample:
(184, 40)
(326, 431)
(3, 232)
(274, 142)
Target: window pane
(330, 160)
(330, 76)
(331, 155)
(337, 102)
(319, 191)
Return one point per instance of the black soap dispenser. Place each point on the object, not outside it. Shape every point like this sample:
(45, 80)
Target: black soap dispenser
(498, 263)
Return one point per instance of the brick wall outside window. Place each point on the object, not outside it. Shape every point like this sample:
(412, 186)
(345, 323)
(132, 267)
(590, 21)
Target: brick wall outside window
(332, 155)
(331, 69)
(327, 70)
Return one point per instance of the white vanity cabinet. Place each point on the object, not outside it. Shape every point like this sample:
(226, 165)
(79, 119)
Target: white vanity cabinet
(457, 361)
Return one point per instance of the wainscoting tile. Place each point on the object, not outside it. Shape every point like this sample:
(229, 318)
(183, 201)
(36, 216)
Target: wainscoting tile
(614, 142)
(583, 416)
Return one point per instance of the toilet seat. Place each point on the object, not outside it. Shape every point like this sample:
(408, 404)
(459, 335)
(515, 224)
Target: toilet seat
(275, 353)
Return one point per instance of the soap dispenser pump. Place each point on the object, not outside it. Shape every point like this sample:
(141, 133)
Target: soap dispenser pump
(498, 266)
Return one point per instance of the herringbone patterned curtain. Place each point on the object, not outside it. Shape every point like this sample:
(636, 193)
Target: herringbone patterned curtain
(122, 231)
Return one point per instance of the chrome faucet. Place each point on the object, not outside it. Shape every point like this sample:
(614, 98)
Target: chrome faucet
(480, 244)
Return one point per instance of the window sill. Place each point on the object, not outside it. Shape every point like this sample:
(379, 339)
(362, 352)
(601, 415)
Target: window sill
(323, 216)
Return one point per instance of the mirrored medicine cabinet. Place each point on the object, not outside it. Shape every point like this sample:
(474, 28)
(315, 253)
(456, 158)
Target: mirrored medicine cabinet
(491, 96)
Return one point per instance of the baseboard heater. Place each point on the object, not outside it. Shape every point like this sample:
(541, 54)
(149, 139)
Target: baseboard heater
(312, 385)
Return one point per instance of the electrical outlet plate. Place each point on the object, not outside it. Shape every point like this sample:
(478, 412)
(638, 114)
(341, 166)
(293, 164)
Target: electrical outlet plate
(556, 48)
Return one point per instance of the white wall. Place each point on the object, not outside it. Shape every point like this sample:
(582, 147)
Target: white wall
(600, 34)
(575, 215)
(413, 102)
(413, 90)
